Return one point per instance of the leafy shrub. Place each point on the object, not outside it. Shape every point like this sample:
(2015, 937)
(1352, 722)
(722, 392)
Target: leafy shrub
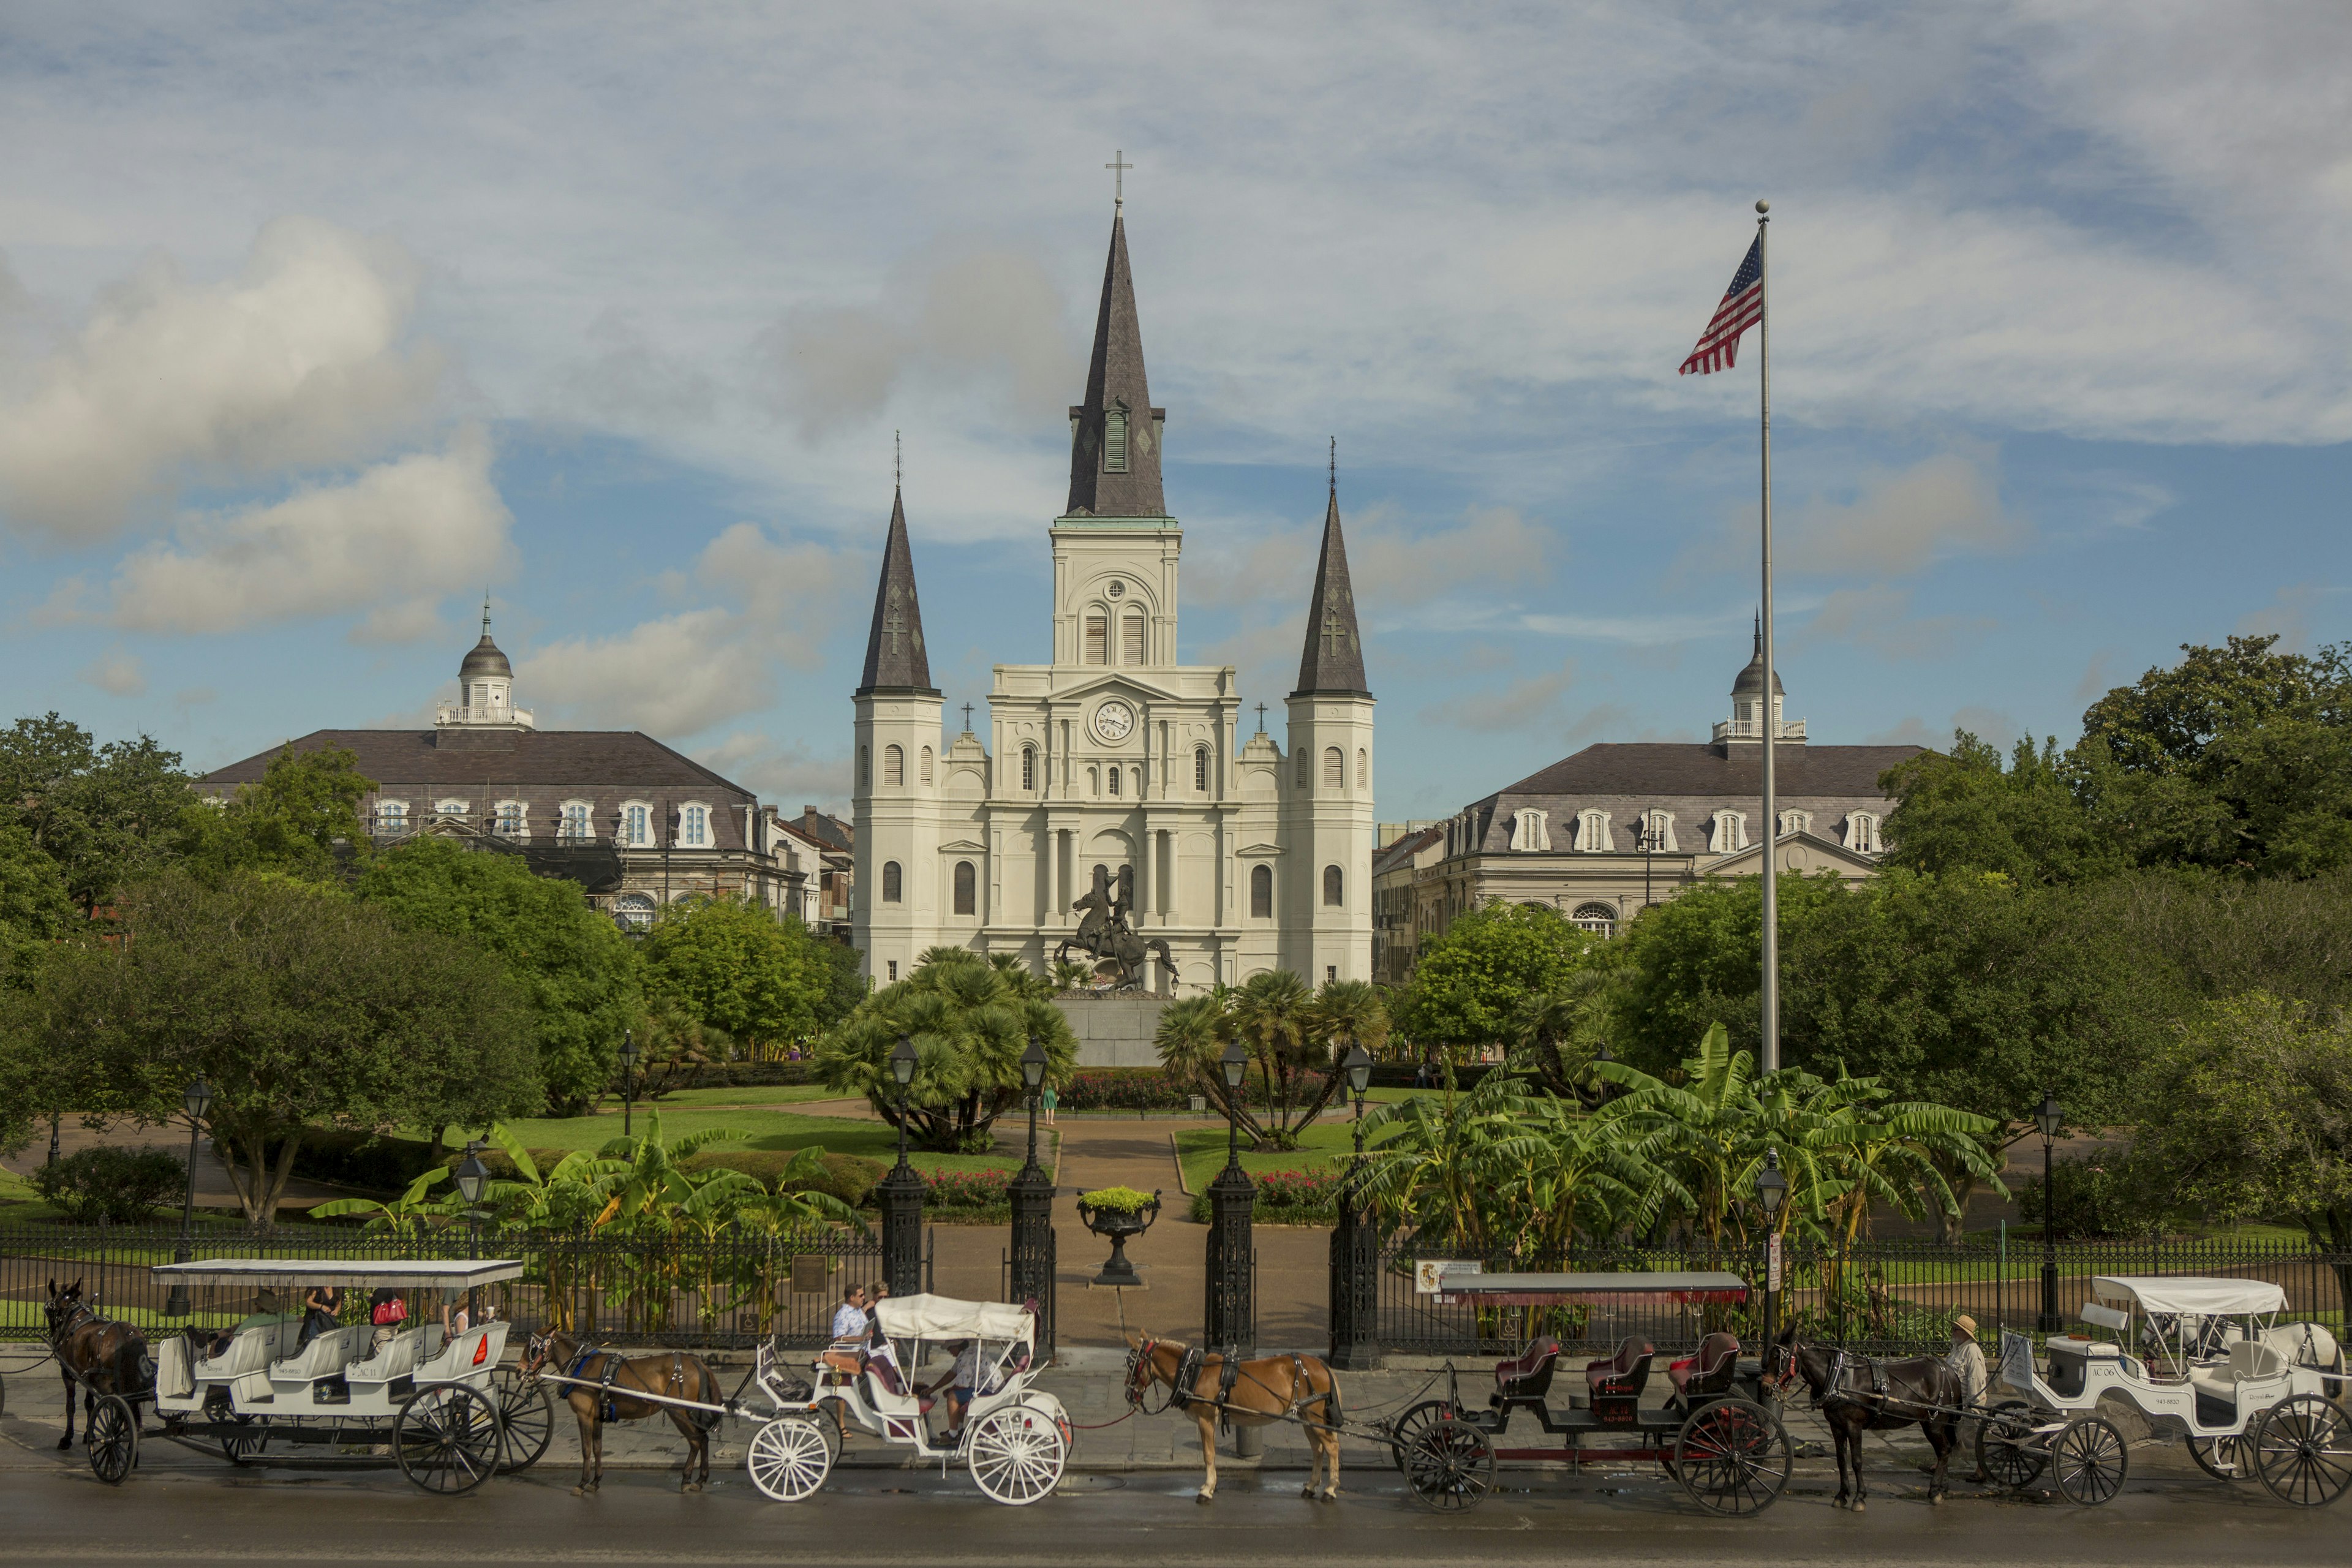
(1286, 1197)
(1145, 1088)
(501, 1168)
(1126, 1200)
(965, 1189)
(2112, 1194)
(111, 1186)
(849, 1177)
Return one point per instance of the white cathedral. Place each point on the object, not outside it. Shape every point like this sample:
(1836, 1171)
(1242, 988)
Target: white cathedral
(1243, 856)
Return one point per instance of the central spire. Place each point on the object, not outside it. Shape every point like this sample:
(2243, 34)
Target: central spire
(1333, 662)
(1115, 433)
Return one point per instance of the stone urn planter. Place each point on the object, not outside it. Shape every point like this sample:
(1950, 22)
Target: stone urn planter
(1118, 1214)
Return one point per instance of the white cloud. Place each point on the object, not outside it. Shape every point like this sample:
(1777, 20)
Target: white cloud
(788, 775)
(117, 672)
(297, 361)
(399, 533)
(1520, 704)
(1880, 618)
(1900, 521)
(2287, 617)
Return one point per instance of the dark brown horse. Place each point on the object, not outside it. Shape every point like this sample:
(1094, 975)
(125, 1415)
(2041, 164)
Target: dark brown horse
(102, 1356)
(1855, 1394)
(1250, 1393)
(671, 1376)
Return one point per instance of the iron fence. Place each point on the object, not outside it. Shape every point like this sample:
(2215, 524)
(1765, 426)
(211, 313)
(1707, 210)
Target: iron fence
(1885, 1298)
(730, 1291)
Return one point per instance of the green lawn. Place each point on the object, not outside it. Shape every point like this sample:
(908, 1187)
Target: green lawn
(767, 1129)
(748, 1094)
(1203, 1152)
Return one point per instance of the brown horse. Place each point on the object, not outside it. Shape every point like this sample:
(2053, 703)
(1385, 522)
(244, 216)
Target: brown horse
(672, 1376)
(1856, 1395)
(1248, 1394)
(102, 1356)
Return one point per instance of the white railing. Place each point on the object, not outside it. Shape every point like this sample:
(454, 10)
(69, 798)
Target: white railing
(1753, 730)
(463, 715)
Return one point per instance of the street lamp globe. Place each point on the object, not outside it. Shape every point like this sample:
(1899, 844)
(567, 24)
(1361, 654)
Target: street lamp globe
(2049, 1117)
(1359, 1069)
(628, 1048)
(1033, 1066)
(902, 1061)
(1234, 1063)
(1771, 1187)
(199, 1095)
(472, 1175)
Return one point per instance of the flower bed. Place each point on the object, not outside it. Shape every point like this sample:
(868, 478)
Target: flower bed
(1146, 1088)
(1286, 1197)
(965, 1190)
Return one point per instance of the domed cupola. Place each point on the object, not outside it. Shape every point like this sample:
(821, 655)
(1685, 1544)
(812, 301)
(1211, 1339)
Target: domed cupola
(485, 688)
(1746, 725)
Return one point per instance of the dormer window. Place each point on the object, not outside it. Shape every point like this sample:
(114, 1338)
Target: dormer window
(1115, 441)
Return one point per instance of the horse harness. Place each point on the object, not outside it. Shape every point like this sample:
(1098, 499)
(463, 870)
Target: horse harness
(1229, 1370)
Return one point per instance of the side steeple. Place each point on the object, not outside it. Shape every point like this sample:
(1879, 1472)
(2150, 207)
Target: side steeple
(1333, 662)
(1115, 433)
(896, 662)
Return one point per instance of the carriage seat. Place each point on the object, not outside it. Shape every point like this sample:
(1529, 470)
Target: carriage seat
(1708, 1372)
(2076, 1345)
(2251, 1360)
(250, 1351)
(1623, 1374)
(477, 1350)
(1527, 1375)
(399, 1356)
(325, 1356)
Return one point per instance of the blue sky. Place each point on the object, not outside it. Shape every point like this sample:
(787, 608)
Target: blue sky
(315, 325)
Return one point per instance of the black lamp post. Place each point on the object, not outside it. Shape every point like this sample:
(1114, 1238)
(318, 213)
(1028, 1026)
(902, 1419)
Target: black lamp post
(2050, 1118)
(1032, 1196)
(1230, 1318)
(1771, 1192)
(198, 1096)
(900, 1194)
(472, 1177)
(628, 1077)
(1355, 1246)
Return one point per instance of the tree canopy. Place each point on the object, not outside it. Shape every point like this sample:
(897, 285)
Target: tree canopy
(300, 818)
(102, 815)
(737, 965)
(1471, 980)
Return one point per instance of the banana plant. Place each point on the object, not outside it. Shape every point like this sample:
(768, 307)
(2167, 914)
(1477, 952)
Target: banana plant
(409, 1215)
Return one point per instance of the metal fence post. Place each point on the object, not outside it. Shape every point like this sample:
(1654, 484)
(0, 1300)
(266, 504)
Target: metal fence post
(1031, 1194)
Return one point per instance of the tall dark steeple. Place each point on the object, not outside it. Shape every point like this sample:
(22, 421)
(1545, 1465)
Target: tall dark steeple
(1333, 664)
(896, 663)
(1115, 433)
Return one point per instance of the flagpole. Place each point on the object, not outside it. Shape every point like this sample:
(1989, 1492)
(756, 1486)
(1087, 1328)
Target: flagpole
(1770, 1056)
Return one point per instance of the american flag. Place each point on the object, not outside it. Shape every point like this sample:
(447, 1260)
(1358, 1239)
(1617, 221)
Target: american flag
(1743, 302)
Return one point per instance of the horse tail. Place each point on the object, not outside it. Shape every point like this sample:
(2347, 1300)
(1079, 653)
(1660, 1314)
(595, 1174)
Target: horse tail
(708, 1420)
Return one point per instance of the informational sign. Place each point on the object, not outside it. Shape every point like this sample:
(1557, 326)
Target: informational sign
(1772, 1263)
(1429, 1273)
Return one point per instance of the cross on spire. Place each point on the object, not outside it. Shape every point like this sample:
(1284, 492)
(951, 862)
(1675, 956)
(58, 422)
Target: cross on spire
(967, 717)
(1261, 717)
(1335, 632)
(896, 627)
(1118, 166)
(897, 459)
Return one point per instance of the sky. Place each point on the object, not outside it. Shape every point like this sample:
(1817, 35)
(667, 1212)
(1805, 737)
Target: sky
(317, 324)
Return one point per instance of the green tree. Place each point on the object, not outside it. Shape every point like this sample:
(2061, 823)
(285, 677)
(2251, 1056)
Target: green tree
(1472, 981)
(1695, 962)
(2166, 720)
(968, 1023)
(1963, 812)
(300, 818)
(737, 966)
(298, 1007)
(577, 972)
(34, 908)
(102, 814)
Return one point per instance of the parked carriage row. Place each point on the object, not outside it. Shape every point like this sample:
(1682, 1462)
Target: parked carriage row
(2203, 1360)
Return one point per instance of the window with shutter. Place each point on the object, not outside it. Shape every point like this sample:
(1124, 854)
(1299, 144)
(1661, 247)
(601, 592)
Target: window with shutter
(1335, 768)
(894, 766)
(1131, 639)
(890, 882)
(1262, 892)
(1097, 640)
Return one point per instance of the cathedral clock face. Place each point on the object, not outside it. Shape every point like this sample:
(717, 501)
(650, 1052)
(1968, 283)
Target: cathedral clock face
(1114, 720)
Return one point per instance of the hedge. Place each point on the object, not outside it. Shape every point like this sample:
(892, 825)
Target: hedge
(1286, 1197)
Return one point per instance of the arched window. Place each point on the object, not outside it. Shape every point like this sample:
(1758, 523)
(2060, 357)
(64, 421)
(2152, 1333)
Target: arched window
(1730, 832)
(894, 766)
(1200, 769)
(1364, 768)
(865, 767)
(965, 881)
(1658, 833)
(1114, 781)
(1028, 768)
(1302, 767)
(694, 828)
(1097, 638)
(1597, 918)
(1335, 768)
(890, 880)
(1530, 830)
(1094, 780)
(637, 826)
(508, 820)
(634, 911)
(1861, 832)
(1115, 441)
(1333, 888)
(1262, 892)
(1130, 637)
(1593, 834)
(575, 821)
(926, 764)
(1796, 822)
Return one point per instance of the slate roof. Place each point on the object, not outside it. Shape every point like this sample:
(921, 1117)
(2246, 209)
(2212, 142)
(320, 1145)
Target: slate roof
(1115, 376)
(895, 660)
(608, 760)
(1333, 660)
(1401, 853)
(1673, 768)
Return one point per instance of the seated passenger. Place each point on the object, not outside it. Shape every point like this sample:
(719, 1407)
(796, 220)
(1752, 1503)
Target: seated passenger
(847, 1354)
(387, 1309)
(322, 1312)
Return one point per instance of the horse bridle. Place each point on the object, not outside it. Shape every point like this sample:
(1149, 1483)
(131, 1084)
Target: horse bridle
(1138, 1360)
(70, 1319)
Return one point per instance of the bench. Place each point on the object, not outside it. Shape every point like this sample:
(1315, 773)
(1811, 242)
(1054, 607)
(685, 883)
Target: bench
(1708, 1373)
(1527, 1375)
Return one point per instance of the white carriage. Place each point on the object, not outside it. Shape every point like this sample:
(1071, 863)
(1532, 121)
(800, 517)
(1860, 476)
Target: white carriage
(2215, 1370)
(444, 1410)
(1014, 1439)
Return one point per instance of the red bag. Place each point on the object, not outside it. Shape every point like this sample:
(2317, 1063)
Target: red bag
(392, 1311)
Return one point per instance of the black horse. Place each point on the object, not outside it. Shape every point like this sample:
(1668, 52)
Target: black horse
(1856, 1393)
(100, 1355)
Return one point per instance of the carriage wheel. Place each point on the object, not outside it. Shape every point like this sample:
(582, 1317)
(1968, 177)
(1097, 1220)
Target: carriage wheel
(249, 1435)
(2303, 1450)
(2005, 1446)
(1414, 1423)
(113, 1433)
(527, 1413)
(1733, 1456)
(1450, 1466)
(446, 1439)
(2223, 1459)
(2089, 1461)
(1016, 1453)
(789, 1457)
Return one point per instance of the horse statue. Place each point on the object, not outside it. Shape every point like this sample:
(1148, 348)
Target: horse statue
(102, 1355)
(1209, 1385)
(1104, 936)
(1856, 1393)
(672, 1376)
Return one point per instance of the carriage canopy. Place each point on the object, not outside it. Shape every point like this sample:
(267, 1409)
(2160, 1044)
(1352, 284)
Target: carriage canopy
(923, 1317)
(2198, 1297)
(357, 1273)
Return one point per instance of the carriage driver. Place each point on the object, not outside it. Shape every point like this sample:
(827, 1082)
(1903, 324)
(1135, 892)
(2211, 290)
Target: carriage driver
(1966, 1358)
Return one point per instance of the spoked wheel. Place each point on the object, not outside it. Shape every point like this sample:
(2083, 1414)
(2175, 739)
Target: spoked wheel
(249, 1435)
(2223, 1459)
(2088, 1460)
(446, 1439)
(527, 1413)
(1450, 1466)
(2303, 1451)
(113, 1439)
(1414, 1423)
(1016, 1453)
(2006, 1447)
(1733, 1456)
(789, 1457)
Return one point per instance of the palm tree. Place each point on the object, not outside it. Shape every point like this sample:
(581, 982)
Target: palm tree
(1559, 1033)
(1069, 974)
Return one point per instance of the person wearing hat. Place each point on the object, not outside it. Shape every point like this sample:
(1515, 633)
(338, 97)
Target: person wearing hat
(1966, 1358)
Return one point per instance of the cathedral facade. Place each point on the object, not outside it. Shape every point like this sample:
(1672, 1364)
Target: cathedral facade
(1112, 759)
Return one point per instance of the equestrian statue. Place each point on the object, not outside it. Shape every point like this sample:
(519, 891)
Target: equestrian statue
(1104, 936)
